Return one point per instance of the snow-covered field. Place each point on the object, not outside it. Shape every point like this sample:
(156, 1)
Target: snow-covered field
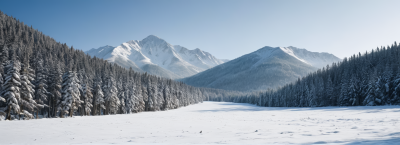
(219, 123)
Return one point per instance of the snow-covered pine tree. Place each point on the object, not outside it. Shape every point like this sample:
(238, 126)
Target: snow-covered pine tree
(167, 95)
(86, 93)
(129, 95)
(396, 92)
(121, 95)
(88, 98)
(11, 87)
(380, 86)
(41, 84)
(160, 95)
(313, 95)
(329, 91)
(98, 98)
(27, 104)
(151, 90)
(139, 94)
(55, 88)
(70, 99)
(305, 101)
(111, 95)
(373, 92)
(387, 84)
(352, 91)
(344, 98)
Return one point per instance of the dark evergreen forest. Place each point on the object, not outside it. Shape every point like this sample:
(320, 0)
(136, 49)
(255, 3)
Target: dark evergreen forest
(39, 76)
(368, 79)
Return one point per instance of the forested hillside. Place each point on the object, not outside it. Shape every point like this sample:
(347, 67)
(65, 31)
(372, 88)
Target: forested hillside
(41, 76)
(371, 79)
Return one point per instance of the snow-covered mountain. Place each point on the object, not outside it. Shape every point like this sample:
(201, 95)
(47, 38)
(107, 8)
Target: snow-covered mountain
(156, 56)
(268, 67)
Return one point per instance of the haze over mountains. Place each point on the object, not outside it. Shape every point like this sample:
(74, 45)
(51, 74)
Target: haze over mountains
(156, 56)
(268, 67)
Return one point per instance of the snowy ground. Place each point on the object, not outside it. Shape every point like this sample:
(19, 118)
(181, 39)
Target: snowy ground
(220, 123)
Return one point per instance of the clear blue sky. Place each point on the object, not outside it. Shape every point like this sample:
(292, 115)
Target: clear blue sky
(225, 28)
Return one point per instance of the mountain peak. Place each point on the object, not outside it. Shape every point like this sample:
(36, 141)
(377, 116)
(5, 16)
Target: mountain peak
(158, 57)
(153, 40)
(152, 37)
(268, 67)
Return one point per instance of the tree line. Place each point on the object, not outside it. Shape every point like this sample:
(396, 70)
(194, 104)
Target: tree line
(41, 76)
(368, 79)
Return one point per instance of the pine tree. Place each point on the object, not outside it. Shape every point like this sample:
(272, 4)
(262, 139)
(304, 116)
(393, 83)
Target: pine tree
(352, 92)
(87, 99)
(344, 98)
(70, 99)
(40, 83)
(312, 96)
(26, 102)
(111, 95)
(373, 92)
(396, 92)
(98, 98)
(11, 87)
(387, 84)
(55, 88)
(122, 95)
(329, 91)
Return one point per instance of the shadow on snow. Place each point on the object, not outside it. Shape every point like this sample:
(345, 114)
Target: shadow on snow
(229, 106)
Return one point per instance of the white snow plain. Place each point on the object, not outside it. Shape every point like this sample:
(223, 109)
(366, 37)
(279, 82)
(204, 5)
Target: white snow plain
(219, 123)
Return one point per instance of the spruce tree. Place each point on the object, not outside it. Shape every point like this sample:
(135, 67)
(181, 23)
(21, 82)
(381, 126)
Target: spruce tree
(41, 84)
(111, 95)
(27, 103)
(55, 88)
(70, 99)
(87, 99)
(11, 87)
(98, 98)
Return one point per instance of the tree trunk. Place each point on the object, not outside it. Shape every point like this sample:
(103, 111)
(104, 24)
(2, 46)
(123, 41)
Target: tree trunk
(19, 113)
(8, 115)
(100, 109)
(37, 114)
(49, 109)
(54, 108)
(107, 108)
(62, 113)
(70, 111)
(94, 110)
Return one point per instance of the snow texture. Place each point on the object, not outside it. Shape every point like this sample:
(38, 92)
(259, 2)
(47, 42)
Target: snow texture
(155, 56)
(217, 123)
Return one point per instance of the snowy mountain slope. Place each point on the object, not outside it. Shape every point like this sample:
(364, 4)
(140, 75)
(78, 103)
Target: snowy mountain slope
(104, 51)
(316, 59)
(154, 54)
(265, 68)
